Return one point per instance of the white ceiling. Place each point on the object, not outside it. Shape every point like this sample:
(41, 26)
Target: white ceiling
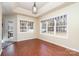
(26, 7)
(8, 6)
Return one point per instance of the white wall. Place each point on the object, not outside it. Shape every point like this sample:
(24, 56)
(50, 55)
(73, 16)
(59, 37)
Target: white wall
(24, 35)
(0, 27)
(73, 27)
(18, 36)
(7, 18)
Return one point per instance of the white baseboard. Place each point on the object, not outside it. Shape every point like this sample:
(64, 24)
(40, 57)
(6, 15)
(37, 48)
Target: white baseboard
(0, 51)
(24, 39)
(61, 45)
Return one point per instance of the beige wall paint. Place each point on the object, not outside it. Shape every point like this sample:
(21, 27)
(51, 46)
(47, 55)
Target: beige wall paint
(0, 28)
(37, 27)
(73, 29)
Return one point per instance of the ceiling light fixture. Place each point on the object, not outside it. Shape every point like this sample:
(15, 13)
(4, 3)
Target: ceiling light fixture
(34, 8)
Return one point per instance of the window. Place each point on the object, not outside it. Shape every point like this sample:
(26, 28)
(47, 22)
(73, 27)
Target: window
(51, 26)
(26, 26)
(30, 26)
(56, 25)
(23, 26)
(43, 26)
(61, 25)
(10, 29)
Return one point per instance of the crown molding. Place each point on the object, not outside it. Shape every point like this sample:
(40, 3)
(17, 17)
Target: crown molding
(45, 9)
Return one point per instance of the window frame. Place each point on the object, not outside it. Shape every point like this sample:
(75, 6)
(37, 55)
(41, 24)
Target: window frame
(27, 26)
(55, 25)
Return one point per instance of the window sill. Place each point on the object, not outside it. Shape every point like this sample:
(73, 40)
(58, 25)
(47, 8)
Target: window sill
(28, 32)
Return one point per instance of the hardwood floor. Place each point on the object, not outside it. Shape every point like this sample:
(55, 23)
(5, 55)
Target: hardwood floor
(36, 47)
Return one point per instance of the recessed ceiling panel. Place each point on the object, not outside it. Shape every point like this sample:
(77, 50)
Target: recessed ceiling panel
(28, 5)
